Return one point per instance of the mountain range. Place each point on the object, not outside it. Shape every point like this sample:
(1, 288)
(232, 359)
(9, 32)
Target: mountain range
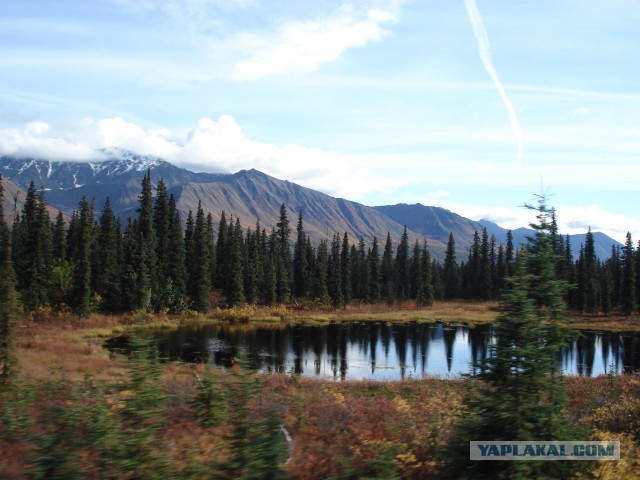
(248, 195)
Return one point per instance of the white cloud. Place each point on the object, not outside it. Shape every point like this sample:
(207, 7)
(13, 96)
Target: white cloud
(212, 146)
(302, 46)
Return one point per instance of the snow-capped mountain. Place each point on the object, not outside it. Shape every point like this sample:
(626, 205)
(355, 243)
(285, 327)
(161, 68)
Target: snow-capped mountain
(118, 164)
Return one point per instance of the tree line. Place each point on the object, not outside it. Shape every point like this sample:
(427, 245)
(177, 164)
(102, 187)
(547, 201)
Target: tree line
(155, 262)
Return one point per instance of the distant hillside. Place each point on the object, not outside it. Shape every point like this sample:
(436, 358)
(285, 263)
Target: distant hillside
(251, 195)
(436, 223)
(433, 222)
(602, 242)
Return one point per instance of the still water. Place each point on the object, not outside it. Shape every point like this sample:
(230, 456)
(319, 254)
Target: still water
(378, 350)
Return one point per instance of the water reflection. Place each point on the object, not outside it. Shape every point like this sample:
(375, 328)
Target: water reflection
(380, 351)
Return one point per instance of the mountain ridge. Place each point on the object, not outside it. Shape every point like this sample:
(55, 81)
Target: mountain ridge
(251, 195)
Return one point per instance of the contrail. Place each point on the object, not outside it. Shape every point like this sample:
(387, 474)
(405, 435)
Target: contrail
(485, 56)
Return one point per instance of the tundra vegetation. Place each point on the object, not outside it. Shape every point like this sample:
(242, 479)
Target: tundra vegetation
(69, 409)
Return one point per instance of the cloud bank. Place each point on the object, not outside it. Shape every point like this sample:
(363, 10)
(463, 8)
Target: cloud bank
(211, 146)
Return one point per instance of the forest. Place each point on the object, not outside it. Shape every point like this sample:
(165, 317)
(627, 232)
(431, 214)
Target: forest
(156, 262)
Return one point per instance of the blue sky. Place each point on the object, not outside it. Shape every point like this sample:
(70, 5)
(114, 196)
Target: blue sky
(472, 105)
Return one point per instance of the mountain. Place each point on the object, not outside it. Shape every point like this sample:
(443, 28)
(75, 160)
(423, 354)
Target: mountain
(251, 195)
(602, 242)
(248, 195)
(433, 222)
(118, 177)
(436, 223)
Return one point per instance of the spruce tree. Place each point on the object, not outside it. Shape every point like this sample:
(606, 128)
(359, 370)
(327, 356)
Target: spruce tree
(201, 279)
(190, 257)
(402, 269)
(82, 293)
(9, 310)
(222, 252)
(359, 270)
(211, 244)
(521, 396)
(300, 266)
(591, 274)
(235, 281)
(284, 265)
(415, 270)
(373, 263)
(424, 294)
(345, 269)
(320, 289)
(485, 278)
(176, 258)
(334, 279)
(107, 268)
(387, 284)
(147, 267)
(59, 240)
(628, 283)
(450, 276)
(33, 249)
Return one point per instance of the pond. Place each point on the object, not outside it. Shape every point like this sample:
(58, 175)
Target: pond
(379, 350)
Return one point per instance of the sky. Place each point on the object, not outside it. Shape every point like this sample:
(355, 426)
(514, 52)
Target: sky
(477, 106)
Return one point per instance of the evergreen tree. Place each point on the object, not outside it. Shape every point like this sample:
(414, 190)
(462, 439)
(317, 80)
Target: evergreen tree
(436, 280)
(359, 270)
(252, 266)
(211, 245)
(614, 266)
(190, 257)
(415, 270)
(300, 266)
(424, 294)
(129, 279)
(235, 291)
(345, 269)
(284, 272)
(223, 253)
(321, 274)
(373, 263)
(387, 285)
(628, 284)
(450, 276)
(161, 221)
(106, 271)
(176, 259)
(471, 274)
(510, 254)
(402, 269)
(81, 288)
(32, 249)
(335, 273)
(147, 267)
(9, 309)
(59, 240)
(201, 278)
(591, 274)
(522, 397)
(485, 268)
